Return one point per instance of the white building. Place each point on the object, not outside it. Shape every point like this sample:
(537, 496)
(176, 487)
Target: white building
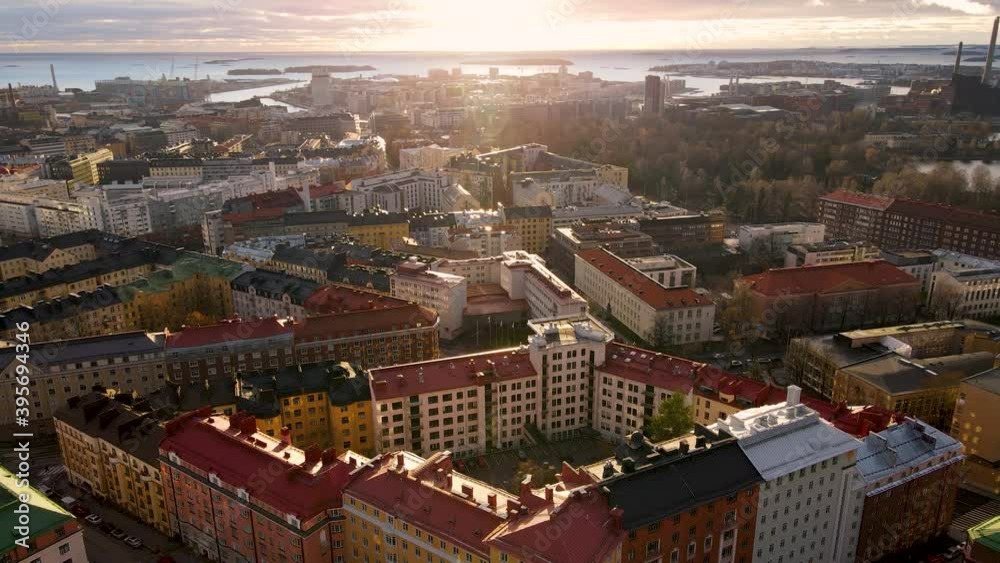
(485, 241)
(667, 270)
(965, 286)
(558, 188)
(443, 292)
(414, 189)
(567, 216)
(431, 157)
(655, 313)
(834, 252)
(806, 509)
(776, 237)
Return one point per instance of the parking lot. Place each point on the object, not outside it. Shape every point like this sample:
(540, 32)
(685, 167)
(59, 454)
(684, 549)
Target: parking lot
(498, 468)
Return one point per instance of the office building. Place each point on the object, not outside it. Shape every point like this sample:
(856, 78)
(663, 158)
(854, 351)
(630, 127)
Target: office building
(653, 100)
(679, 231)
(774, 238)
(976, 412)
(652, 311)
(618, 238)
(835, 252)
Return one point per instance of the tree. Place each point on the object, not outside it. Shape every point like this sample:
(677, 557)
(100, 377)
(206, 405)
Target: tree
(673, 419)
(662, 336)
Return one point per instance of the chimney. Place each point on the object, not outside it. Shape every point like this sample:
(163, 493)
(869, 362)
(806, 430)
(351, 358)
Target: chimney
(399, 460)
(548, 494)
(236, 420)
(467, 490)
(525, 487)
(989, 54)
(329, 456)
(52, 69)
(286, 435)
(313, 454)
(248, 425)
(793, 396)
(958, 58)
(616, 518)
(491, 500)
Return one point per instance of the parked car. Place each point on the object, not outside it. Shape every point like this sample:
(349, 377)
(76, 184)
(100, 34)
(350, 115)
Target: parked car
(718, 355)
(94, 519)
(118, 534)
(106, 527)
(79, 511)
(46, 490)
(735, 364)
(133, 541)
(954, 551)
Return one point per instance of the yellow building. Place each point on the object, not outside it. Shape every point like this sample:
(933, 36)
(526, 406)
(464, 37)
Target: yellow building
(39, 256)
(534, 224)
(326, 404)
(451, 517)
(382, 230)
(926, 389)
(84, 166)
(110, 450)
(977, 418)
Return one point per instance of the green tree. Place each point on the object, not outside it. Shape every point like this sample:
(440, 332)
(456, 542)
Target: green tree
(673, 419)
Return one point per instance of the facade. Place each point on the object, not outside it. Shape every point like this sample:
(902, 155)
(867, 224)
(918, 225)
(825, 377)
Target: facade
(53, 535)
(898, 223)
(431, 157)
(77, 315)
(776, 237)
(908, 475)
(230, 347)
(260, 293)
(836, 252)
(706, 504)
(976, 412)
(677, 231)
(382, 230)
(806, 510)
(237, 494)
(534, 224)
(414, 189)
(832, 297)
(618, 238)
(109, 450)
(84, 166)
(920, 264)
(442, 292)
(653, 312)
(964, 286)
(653, 101)
(667, 270)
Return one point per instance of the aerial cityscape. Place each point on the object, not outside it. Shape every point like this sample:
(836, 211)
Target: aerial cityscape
(455, 281)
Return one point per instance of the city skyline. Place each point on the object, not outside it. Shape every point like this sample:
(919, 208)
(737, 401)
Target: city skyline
(459, 26)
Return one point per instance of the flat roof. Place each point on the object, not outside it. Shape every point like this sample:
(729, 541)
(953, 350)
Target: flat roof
(640, 285)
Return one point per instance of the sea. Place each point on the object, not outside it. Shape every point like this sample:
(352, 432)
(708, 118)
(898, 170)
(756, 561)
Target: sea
(80, 70)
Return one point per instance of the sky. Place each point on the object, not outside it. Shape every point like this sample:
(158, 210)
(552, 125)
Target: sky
(483, 26)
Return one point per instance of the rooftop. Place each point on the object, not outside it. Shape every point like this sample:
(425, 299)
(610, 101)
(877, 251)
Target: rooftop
(901, 447)
(449, 373)
(987, 534)
(651, 368)
(828, 278)
(130, 426)
(92, 348)
(859, 199)
(643, 287)
(988, 380)
(46, 515)
(895, 374)
(227, 331)
(363, 322)
(274, 285)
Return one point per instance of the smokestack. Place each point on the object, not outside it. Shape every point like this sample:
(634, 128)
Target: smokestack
(989, 55)
(52, 69)
(958, 59)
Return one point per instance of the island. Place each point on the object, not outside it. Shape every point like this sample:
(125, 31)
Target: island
(530, 61)
(329, 68)
(230, 61)
(243, 71)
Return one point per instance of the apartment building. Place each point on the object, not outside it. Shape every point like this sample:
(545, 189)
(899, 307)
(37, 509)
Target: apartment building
(618, 238)
(67, 368)
(706, 505)
(326, 403)
(260, 293)
(442, 292)
(414, 189)
(976, 413)
(908, 475)
(807, 501)
(77, 315)
(898, 224)
(236, 494)
(461, 519)
(831, 297)
(84, 166)
(381, 230)
(468, 404)
(431, 157)
(774, 238)
(834, 252)
(533, 223)
(554, 188)
(655, 313)
(226, 348)
(55, 535)
(109, 449)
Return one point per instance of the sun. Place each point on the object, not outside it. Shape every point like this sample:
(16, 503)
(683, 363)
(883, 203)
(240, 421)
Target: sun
(507, 25)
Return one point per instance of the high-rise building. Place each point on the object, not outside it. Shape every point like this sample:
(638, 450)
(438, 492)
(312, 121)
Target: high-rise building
(654, 95)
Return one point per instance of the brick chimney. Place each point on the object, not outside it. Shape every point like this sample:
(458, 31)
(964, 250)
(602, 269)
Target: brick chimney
(313, 454)
(329, 456)
(616, 518)
(248, 425)
(286, 435)
(548, 493)
(491, 500)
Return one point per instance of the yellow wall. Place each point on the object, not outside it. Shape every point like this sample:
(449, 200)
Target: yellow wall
(382, 236)
(351, 427)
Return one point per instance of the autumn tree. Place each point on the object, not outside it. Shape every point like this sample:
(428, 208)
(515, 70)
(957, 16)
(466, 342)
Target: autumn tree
(673, 419)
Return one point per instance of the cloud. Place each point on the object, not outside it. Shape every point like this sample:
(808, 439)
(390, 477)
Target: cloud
(964, 6)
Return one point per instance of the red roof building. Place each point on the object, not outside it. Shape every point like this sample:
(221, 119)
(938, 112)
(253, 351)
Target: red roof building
(831, 297)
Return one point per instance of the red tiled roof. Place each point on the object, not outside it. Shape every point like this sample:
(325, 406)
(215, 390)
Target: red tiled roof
(253, 215)
(946, 214)
(424, 505)
(316, 192)
(650, 368)
(860, 199)
(449, 373)
(339, 299)
(639, 284)
(304, 490)
(352, 323)
(580, 529)
(228, 331)
(828, 278)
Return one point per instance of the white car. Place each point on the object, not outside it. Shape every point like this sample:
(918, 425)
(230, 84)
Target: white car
(133, 541)
(94, 519)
